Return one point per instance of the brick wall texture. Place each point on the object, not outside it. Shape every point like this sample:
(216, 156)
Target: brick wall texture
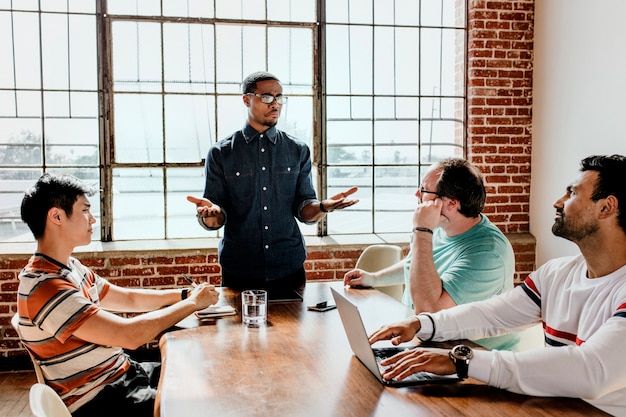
(499, 122)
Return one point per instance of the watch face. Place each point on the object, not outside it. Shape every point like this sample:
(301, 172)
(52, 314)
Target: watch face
(462, 352)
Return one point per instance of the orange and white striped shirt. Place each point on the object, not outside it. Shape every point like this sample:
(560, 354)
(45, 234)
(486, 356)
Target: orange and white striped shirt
(53, 301)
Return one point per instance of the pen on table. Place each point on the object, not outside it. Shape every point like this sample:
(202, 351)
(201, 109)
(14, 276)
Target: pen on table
(191, 281)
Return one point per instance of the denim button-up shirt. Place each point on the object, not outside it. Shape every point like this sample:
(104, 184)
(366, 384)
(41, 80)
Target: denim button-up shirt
(261, 181)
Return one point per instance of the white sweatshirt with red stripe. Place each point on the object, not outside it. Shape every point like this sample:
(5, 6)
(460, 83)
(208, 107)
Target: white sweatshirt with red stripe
(585, 331)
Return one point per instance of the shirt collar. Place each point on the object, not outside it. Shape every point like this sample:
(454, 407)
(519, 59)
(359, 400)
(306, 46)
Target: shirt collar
(250, 134)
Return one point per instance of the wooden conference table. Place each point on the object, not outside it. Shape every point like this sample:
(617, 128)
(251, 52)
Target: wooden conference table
(300, 364)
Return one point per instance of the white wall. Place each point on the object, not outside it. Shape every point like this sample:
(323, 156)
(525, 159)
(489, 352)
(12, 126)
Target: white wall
(579, 102)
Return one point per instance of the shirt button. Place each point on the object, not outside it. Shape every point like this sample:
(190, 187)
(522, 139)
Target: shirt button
(266, 227)
(267, 246)
(265, 208)
(237, 173)
(262, 149)
(262, 168)
(264, 188)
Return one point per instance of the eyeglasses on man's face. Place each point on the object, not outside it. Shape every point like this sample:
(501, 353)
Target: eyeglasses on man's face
(423, 191)
(269, 99)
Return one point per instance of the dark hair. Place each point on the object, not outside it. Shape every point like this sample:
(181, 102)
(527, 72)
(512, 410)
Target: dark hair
(249, 84)
(462, 181)
(51, 190)
(611, 174)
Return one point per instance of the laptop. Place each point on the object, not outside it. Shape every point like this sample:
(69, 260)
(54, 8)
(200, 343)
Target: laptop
(371, 357)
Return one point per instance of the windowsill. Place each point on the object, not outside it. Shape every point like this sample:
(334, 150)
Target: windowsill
(28, 248)
(208, 243)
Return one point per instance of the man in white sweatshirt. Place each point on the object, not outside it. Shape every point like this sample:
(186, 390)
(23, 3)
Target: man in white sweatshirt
(580, 301)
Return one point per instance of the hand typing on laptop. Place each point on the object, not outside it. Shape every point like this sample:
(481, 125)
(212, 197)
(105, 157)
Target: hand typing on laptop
(411, 361)
(403, 331)
(378, 359)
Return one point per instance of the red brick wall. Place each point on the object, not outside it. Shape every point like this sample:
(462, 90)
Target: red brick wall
(499, 121)
(500, 70)
(163, 269)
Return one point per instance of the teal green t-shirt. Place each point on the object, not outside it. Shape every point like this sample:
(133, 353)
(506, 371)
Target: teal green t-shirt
(473, 266)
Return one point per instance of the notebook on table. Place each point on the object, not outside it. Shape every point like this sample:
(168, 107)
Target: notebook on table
(371, 356)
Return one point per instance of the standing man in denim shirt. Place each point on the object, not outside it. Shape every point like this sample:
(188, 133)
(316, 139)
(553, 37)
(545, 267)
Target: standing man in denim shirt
(258, 182)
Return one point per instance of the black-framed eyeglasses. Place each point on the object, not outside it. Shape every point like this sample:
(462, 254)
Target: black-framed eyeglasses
(269, 99)
(425, 191)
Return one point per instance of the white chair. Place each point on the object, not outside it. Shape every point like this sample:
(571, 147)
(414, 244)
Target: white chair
(45, 402)
(377, 257)
(15, 322)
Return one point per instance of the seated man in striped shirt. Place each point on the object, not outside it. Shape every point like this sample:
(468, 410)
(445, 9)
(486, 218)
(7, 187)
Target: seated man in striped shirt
(65, 308)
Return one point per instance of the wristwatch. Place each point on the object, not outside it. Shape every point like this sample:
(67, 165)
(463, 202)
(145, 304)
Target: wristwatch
(461, 355)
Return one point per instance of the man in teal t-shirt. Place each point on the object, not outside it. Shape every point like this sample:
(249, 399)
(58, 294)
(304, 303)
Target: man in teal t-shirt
(457, 255)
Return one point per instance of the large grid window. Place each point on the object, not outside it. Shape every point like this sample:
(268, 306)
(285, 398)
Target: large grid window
(130, 95)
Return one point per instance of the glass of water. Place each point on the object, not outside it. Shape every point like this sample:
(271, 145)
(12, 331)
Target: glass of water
(254, 307)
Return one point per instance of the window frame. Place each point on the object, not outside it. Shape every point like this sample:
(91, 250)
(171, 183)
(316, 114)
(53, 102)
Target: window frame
(320, 144)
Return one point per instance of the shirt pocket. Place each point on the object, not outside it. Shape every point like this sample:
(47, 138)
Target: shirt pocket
(240, 185)
(287, 180)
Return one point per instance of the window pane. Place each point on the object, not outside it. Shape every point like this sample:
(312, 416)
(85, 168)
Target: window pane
(395, 132)
(297, 118)
(233, 107)
(188, 8)
(396, 108)
(349, 60)
(84, 6)
(396, 61)
(395, 199)
(7, 64)
(181, 214)
(242, 9)
(138, 204)
(54, 30)
(25, 41)
(189, 127)
(290, 57)
(438, 50)
(357, 218)
(407, 12)
(20, 142)
(347, 132)
(138, 128)
(291, 10)
(450, 13)
(137, 62)
(72, 141)
(13, 184)
(134, 7)
(28, 103)
(353, 11)
(349, 107)
(240, 50)
(188, 58)
(83, 53)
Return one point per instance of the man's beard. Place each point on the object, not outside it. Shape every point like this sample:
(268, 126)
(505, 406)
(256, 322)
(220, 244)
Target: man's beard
(564, 229)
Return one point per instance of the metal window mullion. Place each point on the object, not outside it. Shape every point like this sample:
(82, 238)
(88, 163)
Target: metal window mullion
(14, 69)
(41, 93)
(164, 140)
(105, 93)
(373, 121)
(319, 106)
